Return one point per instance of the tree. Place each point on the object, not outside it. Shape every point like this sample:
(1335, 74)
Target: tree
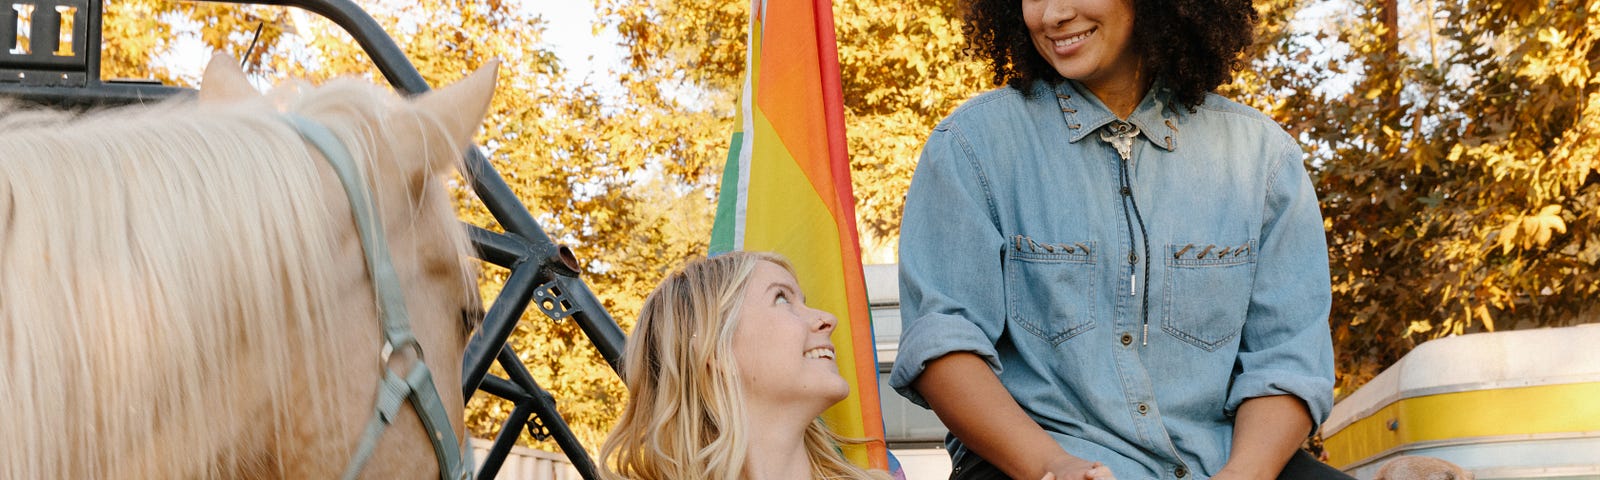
(1457, 172)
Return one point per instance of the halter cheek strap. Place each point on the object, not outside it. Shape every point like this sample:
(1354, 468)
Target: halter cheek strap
(393, 390)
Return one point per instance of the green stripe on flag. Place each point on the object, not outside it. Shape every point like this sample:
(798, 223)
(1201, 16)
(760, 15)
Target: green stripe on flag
(727, 201)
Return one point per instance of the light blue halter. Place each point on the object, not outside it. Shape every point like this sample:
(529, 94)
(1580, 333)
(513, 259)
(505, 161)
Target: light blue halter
(417, 386)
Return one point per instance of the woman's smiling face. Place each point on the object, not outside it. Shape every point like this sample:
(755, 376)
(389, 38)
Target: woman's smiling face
(782, 347)
(1085, 40)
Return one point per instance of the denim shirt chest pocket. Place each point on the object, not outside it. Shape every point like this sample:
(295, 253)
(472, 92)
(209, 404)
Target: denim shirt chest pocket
(1207, 294)
(1050, 286)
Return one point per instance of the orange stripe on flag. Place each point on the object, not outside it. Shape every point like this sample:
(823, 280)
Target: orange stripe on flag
(790, 89)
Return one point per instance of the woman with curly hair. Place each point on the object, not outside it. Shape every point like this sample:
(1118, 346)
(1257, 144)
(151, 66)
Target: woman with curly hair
(727, 371)
(1103, 261)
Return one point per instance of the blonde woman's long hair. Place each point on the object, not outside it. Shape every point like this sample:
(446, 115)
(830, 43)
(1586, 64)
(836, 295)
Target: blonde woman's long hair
(685, 417)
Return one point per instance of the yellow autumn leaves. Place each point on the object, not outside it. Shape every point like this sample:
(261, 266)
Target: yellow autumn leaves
(1530, 231)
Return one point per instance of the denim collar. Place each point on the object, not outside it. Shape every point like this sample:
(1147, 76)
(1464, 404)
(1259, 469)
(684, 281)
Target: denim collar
(1084, 113)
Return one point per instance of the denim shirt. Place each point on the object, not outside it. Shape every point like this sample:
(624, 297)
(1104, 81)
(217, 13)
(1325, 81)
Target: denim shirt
(1019, 244)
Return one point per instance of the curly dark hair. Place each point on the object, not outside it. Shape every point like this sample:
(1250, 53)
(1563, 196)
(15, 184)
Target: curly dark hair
(1190, 46)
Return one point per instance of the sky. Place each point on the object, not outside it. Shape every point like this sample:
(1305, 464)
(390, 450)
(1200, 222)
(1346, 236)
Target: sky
(569, 31)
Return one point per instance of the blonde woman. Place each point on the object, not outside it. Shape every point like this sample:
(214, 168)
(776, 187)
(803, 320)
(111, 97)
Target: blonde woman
(727, 371)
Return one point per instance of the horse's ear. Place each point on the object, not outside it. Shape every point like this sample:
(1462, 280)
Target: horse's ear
(225, 82)
(462, 106)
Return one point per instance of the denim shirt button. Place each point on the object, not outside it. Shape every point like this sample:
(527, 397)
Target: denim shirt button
(1180, 472)
(1127, 339)
(1143, 409)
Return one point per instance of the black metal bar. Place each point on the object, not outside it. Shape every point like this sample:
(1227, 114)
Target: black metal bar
(527, 396)
(598, 325)
(497, 248)
(499, 199)
(503, 388)
(497, 325)
(101, 94)
(518, 375)
(503, 443)
(93, 33)
(8, 28)
(578, 302)
(46, 34)
(546, 411)
(80, 30)
(544, 407)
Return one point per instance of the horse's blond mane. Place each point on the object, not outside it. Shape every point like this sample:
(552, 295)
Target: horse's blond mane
(133, 244)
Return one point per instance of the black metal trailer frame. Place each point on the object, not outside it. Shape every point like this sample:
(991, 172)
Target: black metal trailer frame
(542, 272)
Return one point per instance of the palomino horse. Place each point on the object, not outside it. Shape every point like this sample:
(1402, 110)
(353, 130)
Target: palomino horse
(184, 294)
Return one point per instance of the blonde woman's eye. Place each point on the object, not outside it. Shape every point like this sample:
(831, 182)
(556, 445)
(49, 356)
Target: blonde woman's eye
(783, 298)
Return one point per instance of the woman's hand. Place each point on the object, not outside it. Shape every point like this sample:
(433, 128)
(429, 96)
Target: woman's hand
(1077, 469)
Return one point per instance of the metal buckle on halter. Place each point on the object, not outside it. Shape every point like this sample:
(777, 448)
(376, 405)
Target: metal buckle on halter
(388, 350)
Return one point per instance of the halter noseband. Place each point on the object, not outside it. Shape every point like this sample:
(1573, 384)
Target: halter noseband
(393, 390)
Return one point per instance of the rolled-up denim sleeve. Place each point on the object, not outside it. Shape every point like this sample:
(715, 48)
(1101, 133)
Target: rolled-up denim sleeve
(951, 294)
(1286, 348)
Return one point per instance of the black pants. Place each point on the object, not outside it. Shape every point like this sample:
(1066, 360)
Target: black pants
(1301, 467)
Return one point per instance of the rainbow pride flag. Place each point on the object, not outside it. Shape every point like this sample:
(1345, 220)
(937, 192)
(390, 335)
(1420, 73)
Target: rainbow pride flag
(786, 189)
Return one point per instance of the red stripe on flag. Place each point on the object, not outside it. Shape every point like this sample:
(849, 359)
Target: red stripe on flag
(849, 239)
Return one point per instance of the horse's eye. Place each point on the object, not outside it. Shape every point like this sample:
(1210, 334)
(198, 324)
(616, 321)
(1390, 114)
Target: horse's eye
(472, 316)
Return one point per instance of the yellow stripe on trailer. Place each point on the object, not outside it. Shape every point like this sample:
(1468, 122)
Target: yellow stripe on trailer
(1516, 404)
(1477, 414)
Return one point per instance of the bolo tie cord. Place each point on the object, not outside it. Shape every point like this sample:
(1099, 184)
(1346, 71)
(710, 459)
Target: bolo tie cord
(1121, 137)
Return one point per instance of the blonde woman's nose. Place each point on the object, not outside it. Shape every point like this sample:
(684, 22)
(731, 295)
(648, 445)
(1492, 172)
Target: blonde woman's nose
(827, 321)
